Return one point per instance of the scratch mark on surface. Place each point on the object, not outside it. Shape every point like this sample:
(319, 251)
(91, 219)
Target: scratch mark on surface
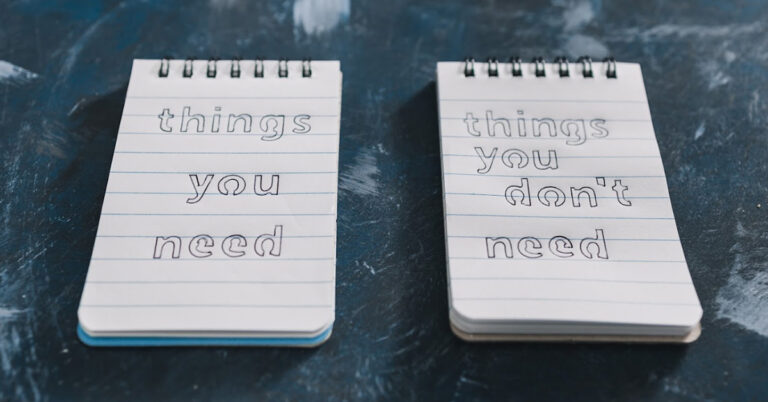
(74, 51)
(713, 72)
(753, 109)
(466, 380)
(361, 177)
(666, 31)
(6, 312)
(743, 300)
(370, 268)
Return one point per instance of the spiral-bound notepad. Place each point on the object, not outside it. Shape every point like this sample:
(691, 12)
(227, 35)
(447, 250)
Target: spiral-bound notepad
(557, 214)
(219, 220)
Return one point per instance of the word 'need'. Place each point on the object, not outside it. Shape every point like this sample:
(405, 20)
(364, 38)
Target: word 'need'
(233, 246)
(559, 246)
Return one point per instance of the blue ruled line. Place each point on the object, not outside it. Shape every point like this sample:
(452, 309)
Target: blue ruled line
(234, 97)
(650, 138)
(576, 157)
(188, 172)
(215, 237)
(543, 100)
(200, 214)
(206, 305)
(555, 176)
(251, 135)
(502, 195)
(509, 278)
(518, 238)
(569, 260)
(572, 300)
(225, 153)
(563, 217)
(212, 259)
(218, 194)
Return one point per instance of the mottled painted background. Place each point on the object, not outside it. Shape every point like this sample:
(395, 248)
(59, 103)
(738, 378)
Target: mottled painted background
(63, 74)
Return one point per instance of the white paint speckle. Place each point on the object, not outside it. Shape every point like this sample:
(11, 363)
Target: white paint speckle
(315, 17)
(577, 14)
(13, 74)
(743, 300)
(673, 31)
(8, 312)
(674, 386)
(754, 110)
(699, 131)
(714, 74)
(361, 177)
(579, 45)
(717, 79)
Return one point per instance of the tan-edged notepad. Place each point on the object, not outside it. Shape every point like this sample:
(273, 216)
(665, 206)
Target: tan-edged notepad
(219, 220)
(558, 221)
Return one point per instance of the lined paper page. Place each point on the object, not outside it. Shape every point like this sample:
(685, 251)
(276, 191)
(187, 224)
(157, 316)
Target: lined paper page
(220, 211)
(556, 202)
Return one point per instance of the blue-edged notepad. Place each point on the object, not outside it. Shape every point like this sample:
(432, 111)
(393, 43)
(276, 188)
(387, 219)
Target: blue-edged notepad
(219, 221)
(557, 215)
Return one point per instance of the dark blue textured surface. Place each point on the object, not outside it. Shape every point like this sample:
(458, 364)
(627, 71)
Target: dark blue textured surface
(706, 74)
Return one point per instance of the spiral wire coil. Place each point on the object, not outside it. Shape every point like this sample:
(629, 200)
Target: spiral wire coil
(235, 71)
(540, 67)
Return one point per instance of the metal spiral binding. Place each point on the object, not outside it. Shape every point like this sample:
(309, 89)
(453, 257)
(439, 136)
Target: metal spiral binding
(493, 67)
(235, 71)
(469, 67)
(188, 67)
(517, 66)
(165, 67)
(210, 71)
(562, 66)
(282, 68)
(540, 67)
(610, 70)
(306, 68)
(586, 66)
(258, 71)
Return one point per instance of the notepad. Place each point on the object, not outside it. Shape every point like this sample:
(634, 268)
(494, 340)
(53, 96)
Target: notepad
(557, 214)
(219, 219)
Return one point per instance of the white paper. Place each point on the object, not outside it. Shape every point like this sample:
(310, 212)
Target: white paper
(637, 276)
(272, 141)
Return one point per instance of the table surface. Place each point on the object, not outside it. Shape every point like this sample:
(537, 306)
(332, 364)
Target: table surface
(706, 73)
